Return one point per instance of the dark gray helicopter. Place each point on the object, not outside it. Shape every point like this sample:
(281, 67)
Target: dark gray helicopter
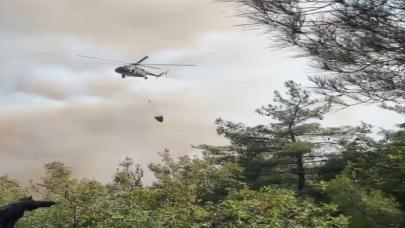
(136, 69)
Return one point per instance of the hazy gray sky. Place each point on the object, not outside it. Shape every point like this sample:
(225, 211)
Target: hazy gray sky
(57, 106)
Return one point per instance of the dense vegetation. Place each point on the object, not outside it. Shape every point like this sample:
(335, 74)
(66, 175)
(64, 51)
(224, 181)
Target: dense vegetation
(290, 172)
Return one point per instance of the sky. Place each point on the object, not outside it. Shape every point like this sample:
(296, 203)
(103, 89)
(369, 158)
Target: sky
(56, 106)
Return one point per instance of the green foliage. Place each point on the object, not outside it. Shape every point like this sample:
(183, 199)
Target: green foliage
(80, 203)
(296, 149)
(383, 166)
(10, 190)
(358, 42)
(284, 152)
(195, 180)
(191, 192)
(187, 193)
(129, 175)
(368, 208)
(275, 208)
(354, 152)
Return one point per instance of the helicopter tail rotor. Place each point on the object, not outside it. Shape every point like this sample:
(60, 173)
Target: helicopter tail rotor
(164, 73)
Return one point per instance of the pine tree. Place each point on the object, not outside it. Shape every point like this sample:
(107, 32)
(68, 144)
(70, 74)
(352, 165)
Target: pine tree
(288, 150)
(358, 43)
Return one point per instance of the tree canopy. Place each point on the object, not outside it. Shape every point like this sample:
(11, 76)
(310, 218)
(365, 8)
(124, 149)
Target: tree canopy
(187, 193)
(290, 148)
(357, 44)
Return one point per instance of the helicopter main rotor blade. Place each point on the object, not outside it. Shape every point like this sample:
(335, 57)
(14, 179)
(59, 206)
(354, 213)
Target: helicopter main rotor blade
(101, 59)
(151, 67)
(176, 65)
(143, 59)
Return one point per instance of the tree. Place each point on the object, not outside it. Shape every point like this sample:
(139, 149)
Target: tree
(360, 43)
(178, 196)
(367, 207)
(369, 181)
(129, 176)
(202, 180)
(128, 199)
(286, 150)
(188, 192)
(198, 193)
(275, 208)
(10, 190)
(81, 203)
(382, 166)
(353, 152)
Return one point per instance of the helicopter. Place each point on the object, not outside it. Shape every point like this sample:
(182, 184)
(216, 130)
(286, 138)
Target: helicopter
(137, 69)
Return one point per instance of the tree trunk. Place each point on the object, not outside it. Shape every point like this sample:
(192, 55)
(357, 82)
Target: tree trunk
(301, 173)
(300, 163)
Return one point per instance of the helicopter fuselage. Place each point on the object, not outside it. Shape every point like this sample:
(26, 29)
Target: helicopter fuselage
(137, 69)
(131, 71)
